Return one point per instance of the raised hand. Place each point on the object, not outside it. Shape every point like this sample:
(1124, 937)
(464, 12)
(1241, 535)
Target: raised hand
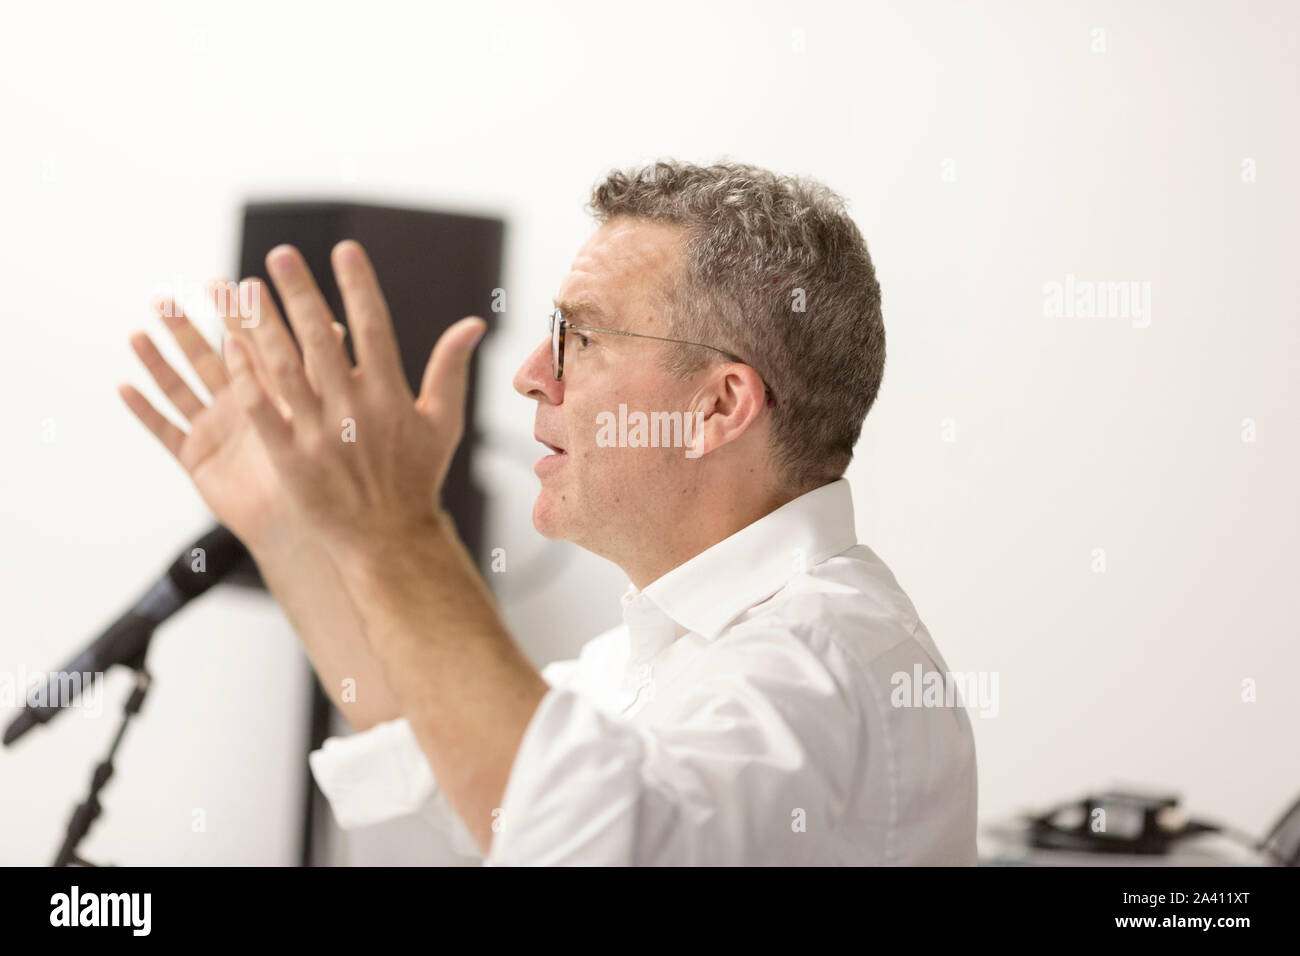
(221, 451)
(228, 464)
(362, 457)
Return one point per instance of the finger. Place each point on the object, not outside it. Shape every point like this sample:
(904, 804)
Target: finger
(261, 376)
(174, 387)
(242, 311)
(275, 356)
(372, 326)
(341, 333)
(237, 319)
(275, 432)
(172, 438)
(202, 357)
(446, 377)
(310, 318)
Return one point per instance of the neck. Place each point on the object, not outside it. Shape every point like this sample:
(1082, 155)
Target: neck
(710, 518)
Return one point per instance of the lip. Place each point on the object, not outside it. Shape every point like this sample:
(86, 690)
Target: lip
(549, 462)
(555, 449)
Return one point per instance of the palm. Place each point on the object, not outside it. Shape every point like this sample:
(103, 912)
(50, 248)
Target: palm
(221, 452)
(230, 468)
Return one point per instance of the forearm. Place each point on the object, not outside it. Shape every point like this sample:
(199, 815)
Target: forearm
(467, 688)
(305, 581)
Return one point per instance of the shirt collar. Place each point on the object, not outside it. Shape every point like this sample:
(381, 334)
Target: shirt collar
(716, 586)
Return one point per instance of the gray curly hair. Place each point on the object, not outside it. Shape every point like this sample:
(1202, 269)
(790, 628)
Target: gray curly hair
(777, 273)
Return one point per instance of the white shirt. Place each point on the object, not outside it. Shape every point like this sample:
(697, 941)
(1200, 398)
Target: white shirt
(741, 714)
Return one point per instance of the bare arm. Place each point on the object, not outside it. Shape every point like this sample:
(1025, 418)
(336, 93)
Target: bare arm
(467, 688)
(305, 582)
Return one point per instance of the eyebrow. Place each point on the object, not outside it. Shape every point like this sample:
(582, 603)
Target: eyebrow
(580, 309)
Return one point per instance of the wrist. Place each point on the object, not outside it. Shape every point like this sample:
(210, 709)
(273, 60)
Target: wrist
(412, 551)
(281, 544)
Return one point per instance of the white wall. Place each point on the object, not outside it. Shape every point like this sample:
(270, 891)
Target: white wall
(985, 149)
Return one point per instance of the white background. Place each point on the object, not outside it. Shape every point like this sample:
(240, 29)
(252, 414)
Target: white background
(985, 149)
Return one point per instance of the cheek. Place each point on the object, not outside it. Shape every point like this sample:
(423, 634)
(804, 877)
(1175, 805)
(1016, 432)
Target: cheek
(584, 430)
(603, 468)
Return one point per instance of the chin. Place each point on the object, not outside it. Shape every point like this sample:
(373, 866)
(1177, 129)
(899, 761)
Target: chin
(545, 519)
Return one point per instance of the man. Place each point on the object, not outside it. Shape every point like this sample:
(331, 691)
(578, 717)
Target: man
(743, 712)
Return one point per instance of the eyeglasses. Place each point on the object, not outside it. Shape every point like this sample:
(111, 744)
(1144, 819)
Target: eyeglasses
(560, 325)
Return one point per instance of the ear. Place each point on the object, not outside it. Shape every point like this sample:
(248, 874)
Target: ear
(731, 403)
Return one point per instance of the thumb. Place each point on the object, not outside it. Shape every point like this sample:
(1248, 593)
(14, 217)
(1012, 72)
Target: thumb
(446, 377)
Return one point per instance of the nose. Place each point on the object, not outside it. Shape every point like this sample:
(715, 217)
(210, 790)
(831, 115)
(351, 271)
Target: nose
(536, 380)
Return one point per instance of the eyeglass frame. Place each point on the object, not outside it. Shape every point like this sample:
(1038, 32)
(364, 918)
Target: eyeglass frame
(557, 347)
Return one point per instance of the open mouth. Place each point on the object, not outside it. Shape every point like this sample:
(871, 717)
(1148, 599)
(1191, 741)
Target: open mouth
(557, 454)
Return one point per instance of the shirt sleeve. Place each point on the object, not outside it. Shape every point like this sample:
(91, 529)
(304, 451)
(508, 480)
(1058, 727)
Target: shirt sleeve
(740, 760)
(382, 774)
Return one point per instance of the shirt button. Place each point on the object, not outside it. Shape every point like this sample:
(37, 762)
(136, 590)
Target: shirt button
(643, 672)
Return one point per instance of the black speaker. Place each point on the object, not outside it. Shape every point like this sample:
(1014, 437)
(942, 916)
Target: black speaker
(434, 268)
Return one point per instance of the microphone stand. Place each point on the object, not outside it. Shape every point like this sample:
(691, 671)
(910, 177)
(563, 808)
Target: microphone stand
(89, 811)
